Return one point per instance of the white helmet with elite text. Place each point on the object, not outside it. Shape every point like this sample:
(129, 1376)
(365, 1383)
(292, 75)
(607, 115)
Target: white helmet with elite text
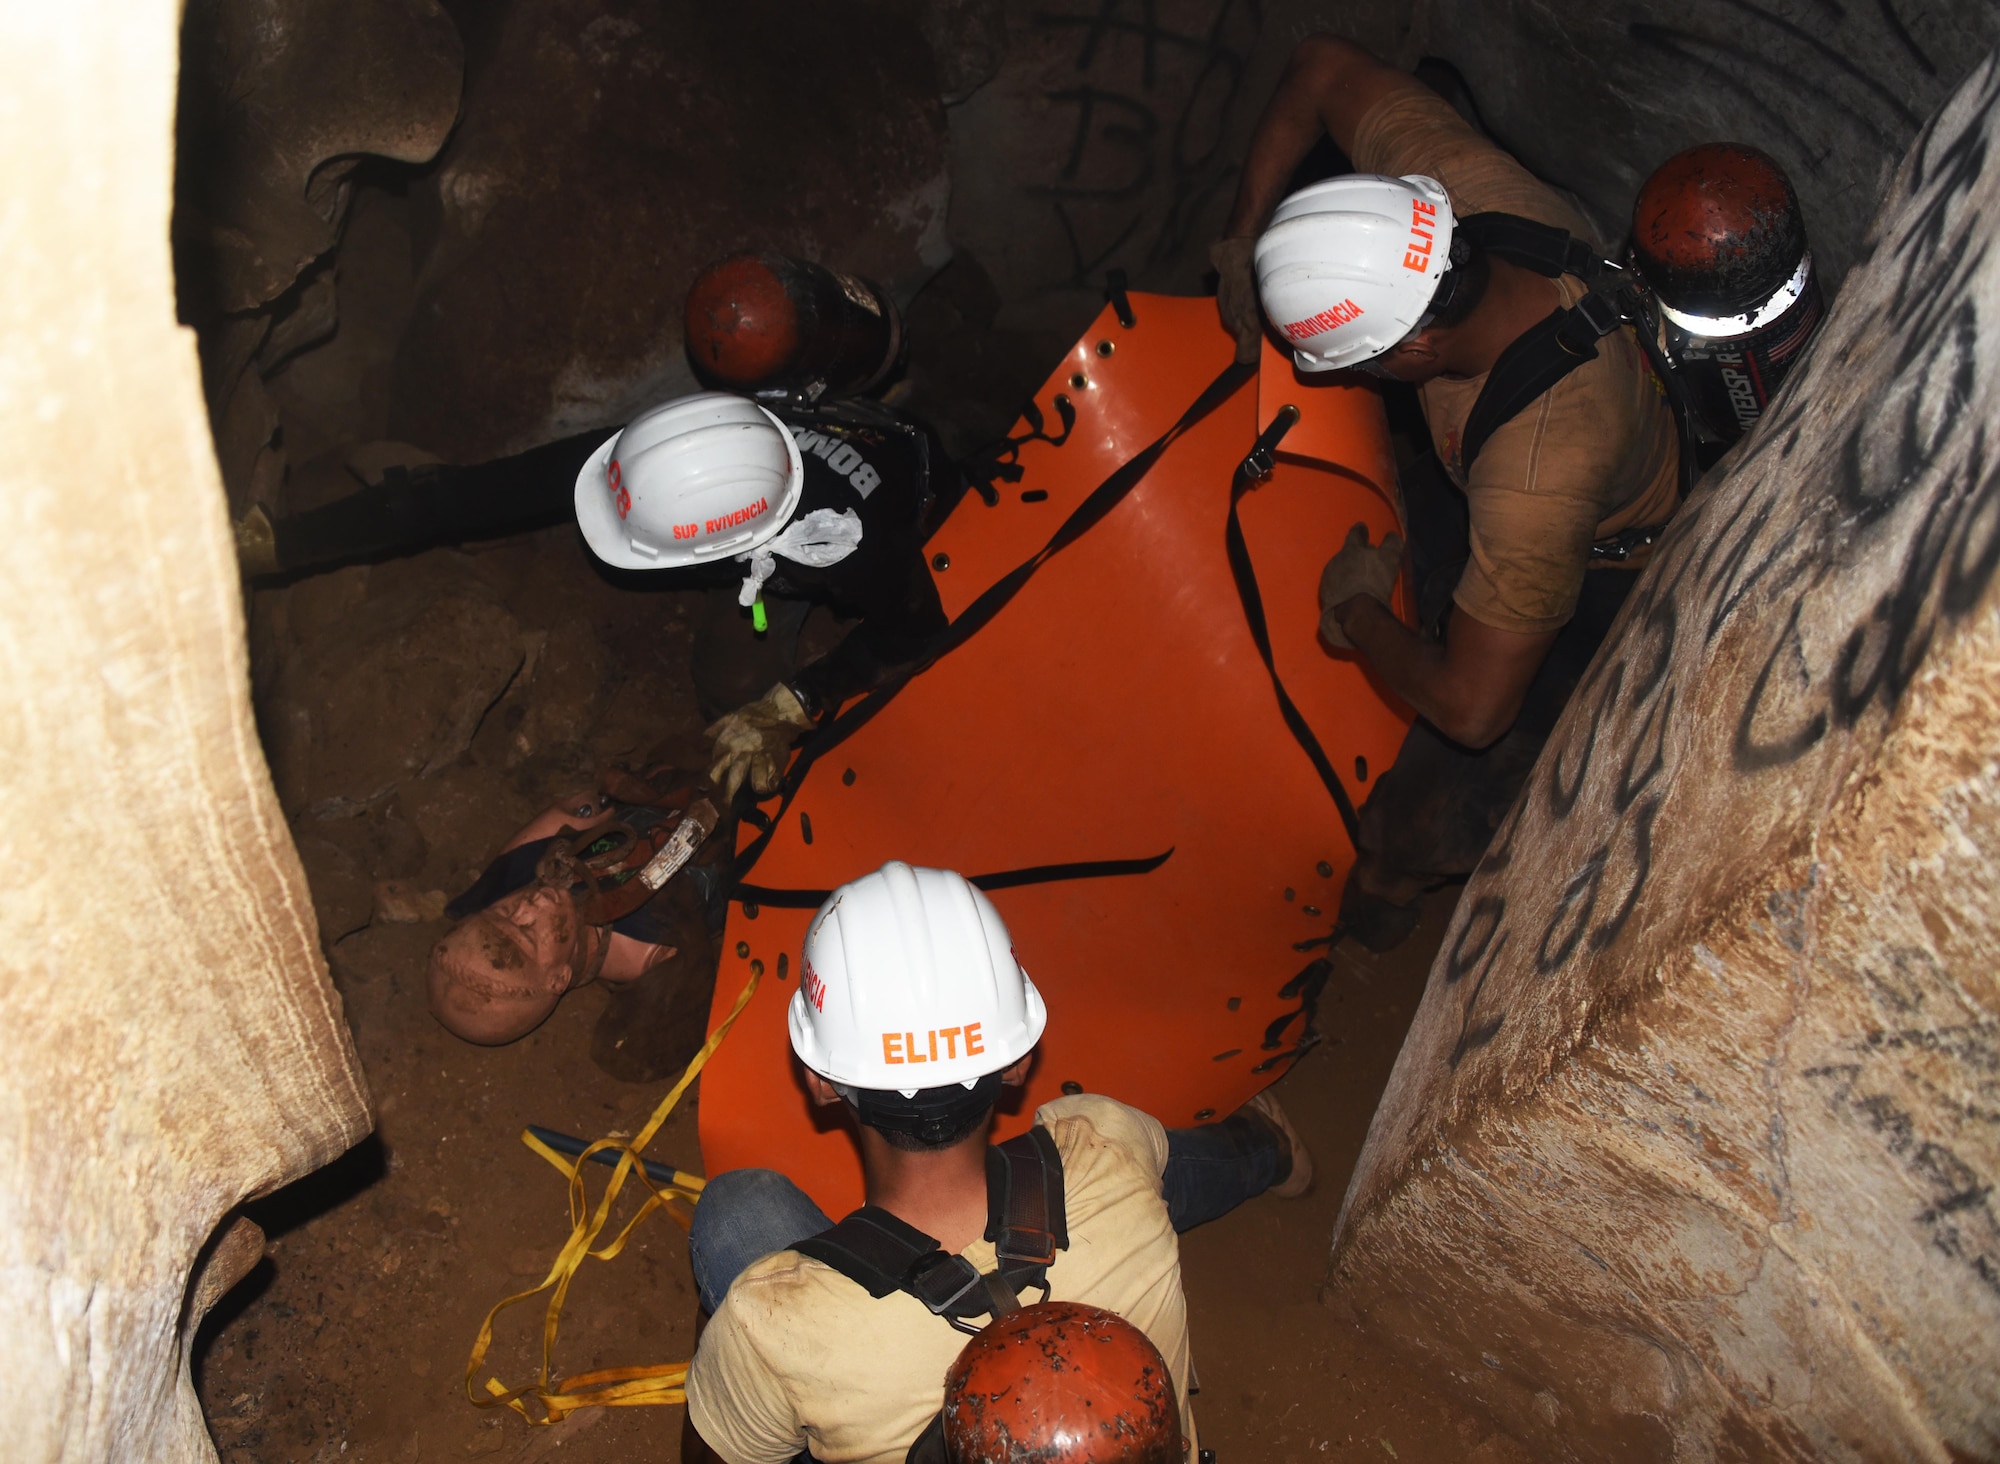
(703, 477)
(1348, 267)
(908, 981)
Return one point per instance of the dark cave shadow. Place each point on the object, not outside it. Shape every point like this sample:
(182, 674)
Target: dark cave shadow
(223, 1315)
(326, 1188)
(278, 1213)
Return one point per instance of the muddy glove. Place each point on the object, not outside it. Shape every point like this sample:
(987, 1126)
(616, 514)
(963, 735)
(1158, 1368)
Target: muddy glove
(1236, 295)
(752, 741)
(1360, 568)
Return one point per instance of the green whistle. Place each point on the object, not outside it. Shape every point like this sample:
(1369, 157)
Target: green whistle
(759, 621)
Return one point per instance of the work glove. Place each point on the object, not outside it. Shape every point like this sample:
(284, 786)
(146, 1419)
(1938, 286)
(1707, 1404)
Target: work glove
(752, 741)
(1360, 568)
(1236, 295)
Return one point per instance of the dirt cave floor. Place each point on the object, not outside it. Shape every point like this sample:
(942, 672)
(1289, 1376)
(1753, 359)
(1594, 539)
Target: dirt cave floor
(349, 1341)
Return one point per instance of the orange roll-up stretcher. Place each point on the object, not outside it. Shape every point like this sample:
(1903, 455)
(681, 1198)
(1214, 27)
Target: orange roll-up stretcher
(1115, 709)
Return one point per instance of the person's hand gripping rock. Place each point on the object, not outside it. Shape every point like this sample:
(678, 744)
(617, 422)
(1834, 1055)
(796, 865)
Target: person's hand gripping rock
(1236, 295)
(1360, 568)
(752, 741)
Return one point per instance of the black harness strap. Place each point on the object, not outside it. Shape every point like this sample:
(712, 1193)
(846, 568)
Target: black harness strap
(1534, 245)
(1540, 357)
(876, 1251)
(1085, 516)
(1552, 348)
(1026, 1219)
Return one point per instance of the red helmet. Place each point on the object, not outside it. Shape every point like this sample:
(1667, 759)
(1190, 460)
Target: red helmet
(1717, 234)
(768, 322)
(1061, 1383)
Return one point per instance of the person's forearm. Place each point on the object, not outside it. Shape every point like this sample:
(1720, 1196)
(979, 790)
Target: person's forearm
(1418, 670)
(1285, 134)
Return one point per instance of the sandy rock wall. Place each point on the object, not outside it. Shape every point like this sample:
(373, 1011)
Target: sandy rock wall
(1690, 1153)
(171, 1042)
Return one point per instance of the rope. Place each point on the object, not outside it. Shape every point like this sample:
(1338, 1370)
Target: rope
(611, 1387)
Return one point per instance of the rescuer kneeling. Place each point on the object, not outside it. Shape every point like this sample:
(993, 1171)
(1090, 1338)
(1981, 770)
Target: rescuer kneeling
(822, 504)
(913, 1016)
(1557, 457)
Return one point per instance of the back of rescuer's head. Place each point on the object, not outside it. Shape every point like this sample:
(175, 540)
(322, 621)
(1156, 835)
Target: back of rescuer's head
(911, 1004)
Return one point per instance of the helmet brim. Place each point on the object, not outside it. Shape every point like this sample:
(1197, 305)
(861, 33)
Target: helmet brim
(604, 532)
(602, 529)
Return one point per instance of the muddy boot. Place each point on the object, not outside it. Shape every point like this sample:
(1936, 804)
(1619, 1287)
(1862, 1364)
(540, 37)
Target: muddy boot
(1372, 922)
(650, 1028)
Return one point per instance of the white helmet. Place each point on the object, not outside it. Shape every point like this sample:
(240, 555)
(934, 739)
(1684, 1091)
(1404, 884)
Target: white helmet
(1348, 267)
(908, 981)
(698, 478)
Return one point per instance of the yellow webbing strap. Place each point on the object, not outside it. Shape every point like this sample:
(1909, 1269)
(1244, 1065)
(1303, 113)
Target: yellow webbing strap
(610, 1387)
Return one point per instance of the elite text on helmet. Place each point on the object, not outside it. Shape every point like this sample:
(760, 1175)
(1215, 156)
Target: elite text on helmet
(908, 981)
(1348, 267)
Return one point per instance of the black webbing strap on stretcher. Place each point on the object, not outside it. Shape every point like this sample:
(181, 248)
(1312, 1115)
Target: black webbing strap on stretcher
(1085, 516)
(1006, 879)
(1252, 470)
(1026, 1220)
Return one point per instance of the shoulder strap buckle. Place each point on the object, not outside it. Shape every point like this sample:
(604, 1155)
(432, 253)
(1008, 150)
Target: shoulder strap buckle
(942, 1282)
(1027, 1221)
(1598, 313)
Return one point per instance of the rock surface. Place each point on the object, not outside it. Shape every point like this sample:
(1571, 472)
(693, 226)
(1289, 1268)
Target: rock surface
(607, 154)
(1690, 1152)
(172, 1043)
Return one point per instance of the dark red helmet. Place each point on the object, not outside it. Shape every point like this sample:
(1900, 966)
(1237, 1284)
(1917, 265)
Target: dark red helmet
(1061, 1383)
(1717, 230)
(769, 322)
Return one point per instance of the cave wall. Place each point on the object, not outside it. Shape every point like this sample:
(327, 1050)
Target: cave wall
(607, 152)
(169, 1042)
(1690, 1152)
(466, 229)
(1593, 96)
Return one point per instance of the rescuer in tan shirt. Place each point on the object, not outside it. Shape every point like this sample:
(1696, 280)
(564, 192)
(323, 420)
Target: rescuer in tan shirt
(818, 1341)
(1521, 558)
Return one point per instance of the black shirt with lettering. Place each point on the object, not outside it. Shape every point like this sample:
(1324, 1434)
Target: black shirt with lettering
(894, 473)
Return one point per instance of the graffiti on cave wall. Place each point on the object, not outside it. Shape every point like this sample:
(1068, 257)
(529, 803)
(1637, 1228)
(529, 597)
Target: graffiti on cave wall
(1789, 612)
(1154, 89)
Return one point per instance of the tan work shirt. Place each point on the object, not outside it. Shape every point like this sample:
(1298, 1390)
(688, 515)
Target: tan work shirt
(799, 1356)
(1594, 455)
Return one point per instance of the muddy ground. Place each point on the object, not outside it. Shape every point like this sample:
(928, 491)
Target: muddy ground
(350, 1340)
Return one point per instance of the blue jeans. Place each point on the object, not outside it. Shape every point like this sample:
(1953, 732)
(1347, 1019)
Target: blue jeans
(748, 1214)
